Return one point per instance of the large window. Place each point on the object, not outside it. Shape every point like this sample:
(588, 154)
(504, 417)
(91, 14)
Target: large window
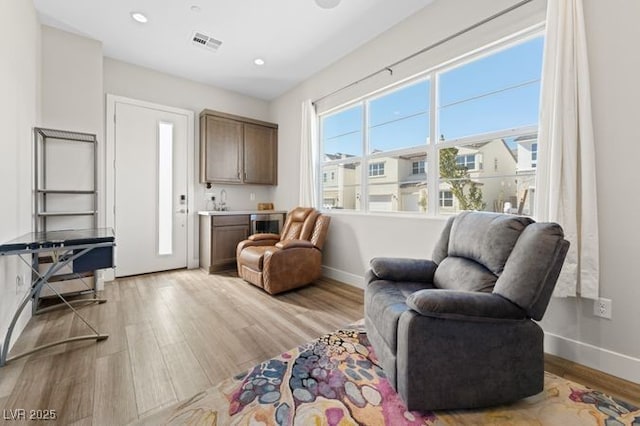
(462, 137)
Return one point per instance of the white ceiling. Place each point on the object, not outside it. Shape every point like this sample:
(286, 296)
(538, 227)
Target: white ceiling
(296, 38)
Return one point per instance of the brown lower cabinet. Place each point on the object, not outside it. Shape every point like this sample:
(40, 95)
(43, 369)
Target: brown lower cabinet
(219, 237)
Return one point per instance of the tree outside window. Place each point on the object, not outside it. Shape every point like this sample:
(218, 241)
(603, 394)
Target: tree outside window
(466, 191)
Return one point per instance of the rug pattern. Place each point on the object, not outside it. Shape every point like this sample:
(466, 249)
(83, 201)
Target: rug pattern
(336, 381)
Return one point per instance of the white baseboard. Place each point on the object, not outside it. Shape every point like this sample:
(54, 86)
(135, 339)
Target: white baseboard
(342, 276)
(613, 363)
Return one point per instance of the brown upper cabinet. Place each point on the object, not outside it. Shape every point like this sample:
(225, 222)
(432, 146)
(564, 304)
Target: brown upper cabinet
(236, 149)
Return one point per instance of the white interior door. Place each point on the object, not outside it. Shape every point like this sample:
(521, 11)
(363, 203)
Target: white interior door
(150, 189)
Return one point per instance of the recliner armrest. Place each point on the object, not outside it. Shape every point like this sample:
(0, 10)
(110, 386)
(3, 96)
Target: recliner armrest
(469, 305)
(287, 244)
(400, 269)
(249, 243)
(260, 237)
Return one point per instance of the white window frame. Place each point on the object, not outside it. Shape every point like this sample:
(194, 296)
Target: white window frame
(443, 199)
(433, 144)
(466, 162)
(534, 155)
(376, 169)
(420, 167)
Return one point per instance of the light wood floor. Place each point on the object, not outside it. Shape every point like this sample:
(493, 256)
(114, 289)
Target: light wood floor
(171, 335)
(176, 333)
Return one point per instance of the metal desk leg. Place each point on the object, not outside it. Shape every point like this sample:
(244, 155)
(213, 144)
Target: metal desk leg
(37, 310)
(35, 288)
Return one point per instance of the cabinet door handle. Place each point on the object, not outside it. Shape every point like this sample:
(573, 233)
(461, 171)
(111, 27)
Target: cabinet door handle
(245, 175)
(238, 175)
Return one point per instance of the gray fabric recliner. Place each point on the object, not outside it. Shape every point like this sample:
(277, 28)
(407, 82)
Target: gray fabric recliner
(457, 331)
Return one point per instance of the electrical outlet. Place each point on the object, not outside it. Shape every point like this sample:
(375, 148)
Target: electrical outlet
(252, 196)
(602, 308)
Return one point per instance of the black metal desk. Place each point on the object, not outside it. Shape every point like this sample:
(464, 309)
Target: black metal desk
(84, 249)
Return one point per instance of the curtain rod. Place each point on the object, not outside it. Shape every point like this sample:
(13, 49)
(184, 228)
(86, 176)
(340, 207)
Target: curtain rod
(389, 68)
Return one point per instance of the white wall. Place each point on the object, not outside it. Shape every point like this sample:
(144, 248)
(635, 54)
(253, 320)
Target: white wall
(132, 81)
(19, 113)
(572, 330)
(72, 95)
(72, 99)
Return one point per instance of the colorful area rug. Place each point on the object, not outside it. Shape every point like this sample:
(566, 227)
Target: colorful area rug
(335, 380)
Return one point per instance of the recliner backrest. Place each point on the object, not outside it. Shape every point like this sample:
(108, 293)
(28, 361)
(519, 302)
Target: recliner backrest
(531, 272)
(505, 254)
(299, 224)
(304, 223)
(320, 231)
(477, 249)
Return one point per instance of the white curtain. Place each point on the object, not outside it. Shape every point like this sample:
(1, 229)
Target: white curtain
(309, 156)
(566, 182)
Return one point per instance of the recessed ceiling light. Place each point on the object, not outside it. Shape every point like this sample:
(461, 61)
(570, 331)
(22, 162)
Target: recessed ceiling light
(195, 8)
(327, 4)
(139, 17)
(258, 61)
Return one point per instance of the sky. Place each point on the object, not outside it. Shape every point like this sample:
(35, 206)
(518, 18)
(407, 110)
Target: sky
(496, 92)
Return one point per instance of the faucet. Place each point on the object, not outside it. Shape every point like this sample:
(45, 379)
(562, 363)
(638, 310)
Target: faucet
(223, 200)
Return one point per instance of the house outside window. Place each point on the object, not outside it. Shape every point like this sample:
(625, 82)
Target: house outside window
(420, 147)
(376, 169)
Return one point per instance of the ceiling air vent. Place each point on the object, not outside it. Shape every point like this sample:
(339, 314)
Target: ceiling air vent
(205, 41)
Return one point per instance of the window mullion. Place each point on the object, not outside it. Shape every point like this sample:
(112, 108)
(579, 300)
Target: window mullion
(364, 172)
(320, 166)
(433, 172)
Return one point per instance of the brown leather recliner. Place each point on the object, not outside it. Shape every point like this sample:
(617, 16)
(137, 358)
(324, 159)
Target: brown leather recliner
(292, 259)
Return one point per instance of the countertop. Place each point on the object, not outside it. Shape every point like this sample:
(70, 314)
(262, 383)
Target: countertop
(239, 212)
